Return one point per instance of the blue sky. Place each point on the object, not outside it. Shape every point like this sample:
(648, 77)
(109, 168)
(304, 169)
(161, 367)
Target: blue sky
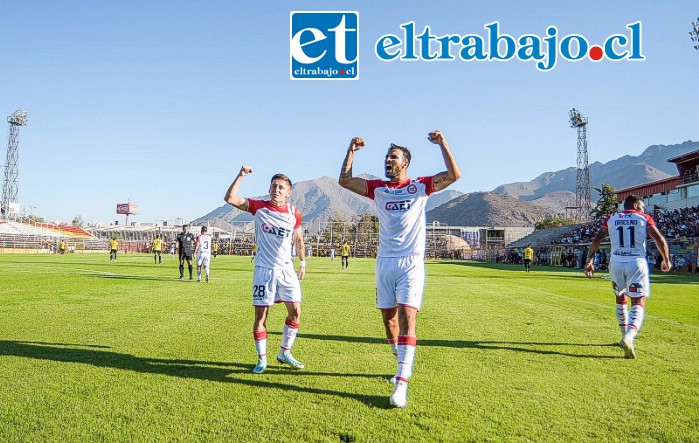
(162, 102)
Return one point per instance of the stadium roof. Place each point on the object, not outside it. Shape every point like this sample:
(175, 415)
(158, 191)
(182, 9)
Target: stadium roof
(694, 155)
(648, 189)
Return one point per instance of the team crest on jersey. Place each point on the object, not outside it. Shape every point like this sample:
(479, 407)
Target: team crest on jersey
(400, 206)
(412, 189)
(275, 230)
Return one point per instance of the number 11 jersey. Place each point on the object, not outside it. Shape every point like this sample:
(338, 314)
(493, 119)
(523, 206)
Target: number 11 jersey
(627, 233)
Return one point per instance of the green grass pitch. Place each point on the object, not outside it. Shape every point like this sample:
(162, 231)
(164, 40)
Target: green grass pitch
(98, 351)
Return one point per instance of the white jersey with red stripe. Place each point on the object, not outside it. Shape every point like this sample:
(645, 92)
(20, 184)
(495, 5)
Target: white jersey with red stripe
(274, 229)
(204, 243)
(401, 209)
(627, 233)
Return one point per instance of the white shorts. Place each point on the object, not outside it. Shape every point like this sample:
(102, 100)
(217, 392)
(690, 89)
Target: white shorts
(630, 278)
(203, 260)
(270, 286)
(400, 281)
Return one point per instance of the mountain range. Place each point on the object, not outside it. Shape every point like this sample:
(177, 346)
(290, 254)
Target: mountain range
(511, 204)
(621, 173)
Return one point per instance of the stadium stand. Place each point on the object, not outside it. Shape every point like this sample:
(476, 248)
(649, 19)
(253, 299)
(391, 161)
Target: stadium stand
(542, 237)
(18, 237)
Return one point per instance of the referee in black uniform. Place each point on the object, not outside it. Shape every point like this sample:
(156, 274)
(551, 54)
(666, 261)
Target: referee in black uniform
(185, 244)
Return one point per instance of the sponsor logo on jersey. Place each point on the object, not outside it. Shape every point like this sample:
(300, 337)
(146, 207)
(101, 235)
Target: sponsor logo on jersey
(400, 206)
(621, 253)
(275, 230)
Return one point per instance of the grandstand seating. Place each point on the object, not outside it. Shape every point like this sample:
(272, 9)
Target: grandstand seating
(679, 226)
(542, 237)
(30, 237)
(42, 230)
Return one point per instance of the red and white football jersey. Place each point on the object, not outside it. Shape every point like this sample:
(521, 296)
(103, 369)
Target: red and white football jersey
(627, 233)
(204, 243)
(401, 209)
(274, 229)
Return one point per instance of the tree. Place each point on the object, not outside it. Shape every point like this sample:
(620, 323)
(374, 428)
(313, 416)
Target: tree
(337, 228)
(366, 228)
(78, 221)
(607, 203)
(35, 219)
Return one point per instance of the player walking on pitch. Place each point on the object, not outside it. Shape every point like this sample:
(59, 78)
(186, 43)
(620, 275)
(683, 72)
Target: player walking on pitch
(113, 247)
(345, 254)
(528, 253)
(203, 253)
(400, 265)
(157, 249)
(274, 278)
(628, 267)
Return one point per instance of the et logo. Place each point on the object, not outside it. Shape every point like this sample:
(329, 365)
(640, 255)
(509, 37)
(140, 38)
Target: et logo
(324, 45)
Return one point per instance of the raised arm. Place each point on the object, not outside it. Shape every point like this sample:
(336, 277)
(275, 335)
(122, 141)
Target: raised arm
(231, 196)
(354, 184)
(453, 173)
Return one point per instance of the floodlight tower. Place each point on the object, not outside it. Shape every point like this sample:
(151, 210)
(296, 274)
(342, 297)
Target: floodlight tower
(582, 190)
(9, 186)
(694, 33)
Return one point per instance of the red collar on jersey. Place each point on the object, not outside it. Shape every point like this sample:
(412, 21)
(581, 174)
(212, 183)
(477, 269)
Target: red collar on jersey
(398, 184)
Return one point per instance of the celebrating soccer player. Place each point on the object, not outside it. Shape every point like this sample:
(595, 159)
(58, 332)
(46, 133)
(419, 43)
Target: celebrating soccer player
(400, 265)
(628, 267)
(274, 279)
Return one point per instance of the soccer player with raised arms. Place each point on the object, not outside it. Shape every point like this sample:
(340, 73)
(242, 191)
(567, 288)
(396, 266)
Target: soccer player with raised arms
(628, 267)
(274, 278)
(400, 262)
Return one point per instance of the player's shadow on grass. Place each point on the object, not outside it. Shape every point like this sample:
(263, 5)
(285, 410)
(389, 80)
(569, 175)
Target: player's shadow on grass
(537, 347)
(203, 370)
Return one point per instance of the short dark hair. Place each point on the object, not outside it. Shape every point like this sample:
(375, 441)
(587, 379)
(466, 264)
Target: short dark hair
(631, 200)
(185, 226)
(281, 177)
(406, 151)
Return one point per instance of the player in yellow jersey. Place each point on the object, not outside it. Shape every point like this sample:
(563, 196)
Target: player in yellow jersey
(157, 249)
(344, 254)
(528, 257)
(113, 246)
